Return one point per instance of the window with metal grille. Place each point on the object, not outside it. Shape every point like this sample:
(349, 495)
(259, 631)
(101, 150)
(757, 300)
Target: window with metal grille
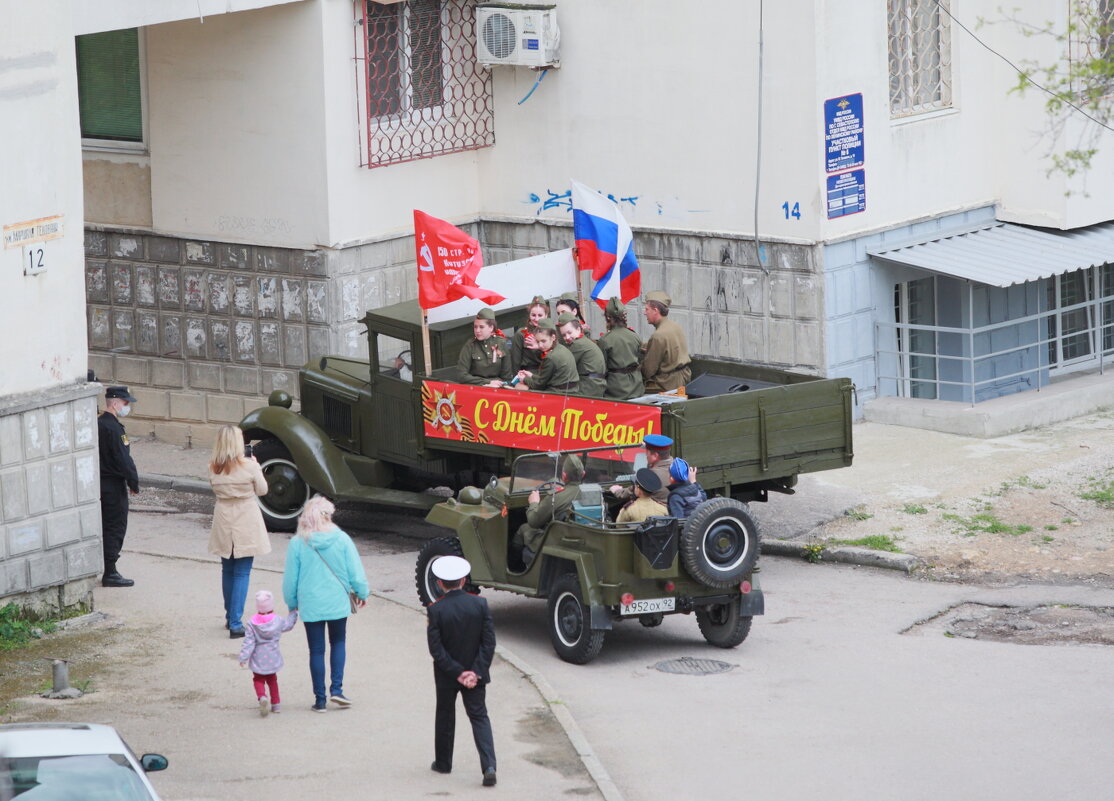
(920, 56)
(424, 92)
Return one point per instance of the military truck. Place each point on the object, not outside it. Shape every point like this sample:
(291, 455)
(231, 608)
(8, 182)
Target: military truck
(595, 572)
(367, 432)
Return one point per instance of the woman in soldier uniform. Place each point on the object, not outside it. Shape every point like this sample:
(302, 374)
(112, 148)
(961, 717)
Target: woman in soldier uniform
(558, 367)
(525, 354)
(485, 359)
(589, 361)
(622, 350)
(568, 304)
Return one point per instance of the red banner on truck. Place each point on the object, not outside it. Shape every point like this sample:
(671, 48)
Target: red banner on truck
(532, 420)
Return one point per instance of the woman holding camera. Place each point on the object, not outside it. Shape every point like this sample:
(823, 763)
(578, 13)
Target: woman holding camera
(239, 533)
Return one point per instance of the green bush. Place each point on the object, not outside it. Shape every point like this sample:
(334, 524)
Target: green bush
(17, 627)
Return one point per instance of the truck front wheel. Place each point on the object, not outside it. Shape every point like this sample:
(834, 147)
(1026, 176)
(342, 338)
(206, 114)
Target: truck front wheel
(287, 491)
(570, 622)
(723, 625)
(428, 591)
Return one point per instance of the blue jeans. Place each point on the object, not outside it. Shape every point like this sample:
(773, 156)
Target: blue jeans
(315, 637)
(235, 575)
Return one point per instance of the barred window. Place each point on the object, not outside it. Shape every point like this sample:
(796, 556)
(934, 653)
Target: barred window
(426, 95)
(920, 56)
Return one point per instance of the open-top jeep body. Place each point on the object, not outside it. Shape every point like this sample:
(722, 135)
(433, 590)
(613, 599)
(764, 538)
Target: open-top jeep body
(366, 433)
(595, 572)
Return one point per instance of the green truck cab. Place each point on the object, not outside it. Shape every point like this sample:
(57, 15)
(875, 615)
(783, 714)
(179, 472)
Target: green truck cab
(594, 572)
(367, 433)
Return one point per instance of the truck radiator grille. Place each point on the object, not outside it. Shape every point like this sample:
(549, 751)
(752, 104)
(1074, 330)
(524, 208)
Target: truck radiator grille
(337, 417)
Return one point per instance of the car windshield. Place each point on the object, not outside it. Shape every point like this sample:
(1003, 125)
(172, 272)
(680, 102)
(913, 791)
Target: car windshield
(601, 466)
(90, 777)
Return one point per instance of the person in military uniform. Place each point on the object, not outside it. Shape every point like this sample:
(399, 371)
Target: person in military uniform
(461, 638)
(542, 511)
(659, 459)
(665, 363)
(646, 483)
(621, 350)
(590, 365)
(558, 368)
(485, 359)
(118, 478)
(525, 353)
(568, 304)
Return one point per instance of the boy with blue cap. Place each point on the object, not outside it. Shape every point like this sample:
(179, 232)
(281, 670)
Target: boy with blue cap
(684, 493)
(658, 459)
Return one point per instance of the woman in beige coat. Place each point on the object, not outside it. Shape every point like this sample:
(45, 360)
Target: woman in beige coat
(239, 534)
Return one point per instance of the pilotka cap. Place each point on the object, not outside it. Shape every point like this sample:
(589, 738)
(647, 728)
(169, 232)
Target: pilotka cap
(660, 297)
(486, 313)
(567, 317)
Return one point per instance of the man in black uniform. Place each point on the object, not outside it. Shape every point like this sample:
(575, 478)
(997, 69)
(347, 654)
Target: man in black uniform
(461, 638)
(118, 478)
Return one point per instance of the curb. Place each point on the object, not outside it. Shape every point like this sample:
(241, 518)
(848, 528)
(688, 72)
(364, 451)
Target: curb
(194, 485)
(847, 554)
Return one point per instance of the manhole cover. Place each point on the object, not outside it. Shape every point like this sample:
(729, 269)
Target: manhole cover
(691, 666)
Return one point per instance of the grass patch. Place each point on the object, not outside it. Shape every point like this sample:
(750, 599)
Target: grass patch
(858, 513)
(1051, 527)
(1047, 538)
(877, 542)
(17, 627)
(1102, 494)
(914, 509)
(985, 523)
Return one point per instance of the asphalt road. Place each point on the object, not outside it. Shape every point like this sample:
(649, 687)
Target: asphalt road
(836, 694)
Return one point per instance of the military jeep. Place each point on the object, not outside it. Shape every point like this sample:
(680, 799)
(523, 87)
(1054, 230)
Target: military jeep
(594, 572)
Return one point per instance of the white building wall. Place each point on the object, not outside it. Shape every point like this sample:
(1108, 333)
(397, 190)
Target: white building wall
(236, 123)
(43, 315)
(96, 16)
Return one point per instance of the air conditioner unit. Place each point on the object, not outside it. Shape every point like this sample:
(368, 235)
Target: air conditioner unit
(517, 35)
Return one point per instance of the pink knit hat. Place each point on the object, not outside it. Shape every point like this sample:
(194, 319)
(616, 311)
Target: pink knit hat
(264, 602)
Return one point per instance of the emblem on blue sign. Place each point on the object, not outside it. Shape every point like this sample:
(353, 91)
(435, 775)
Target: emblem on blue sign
(843, 133)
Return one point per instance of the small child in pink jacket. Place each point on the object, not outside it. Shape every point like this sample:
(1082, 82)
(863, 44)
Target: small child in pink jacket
(260, 650)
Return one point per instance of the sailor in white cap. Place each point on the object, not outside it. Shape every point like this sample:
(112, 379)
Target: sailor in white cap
(461, 638)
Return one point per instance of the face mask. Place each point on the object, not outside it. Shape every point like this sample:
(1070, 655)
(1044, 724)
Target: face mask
(124, 411)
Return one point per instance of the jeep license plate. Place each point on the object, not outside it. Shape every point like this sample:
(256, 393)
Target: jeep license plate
(648, 606)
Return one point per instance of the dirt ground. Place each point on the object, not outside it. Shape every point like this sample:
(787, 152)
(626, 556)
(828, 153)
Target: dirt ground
(1051, 522)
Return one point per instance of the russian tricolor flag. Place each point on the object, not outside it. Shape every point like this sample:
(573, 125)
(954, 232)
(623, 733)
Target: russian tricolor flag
(604, 245)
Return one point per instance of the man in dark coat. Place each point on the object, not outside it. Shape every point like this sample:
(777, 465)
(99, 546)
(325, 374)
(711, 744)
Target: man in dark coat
(118, 478)
(461, 638)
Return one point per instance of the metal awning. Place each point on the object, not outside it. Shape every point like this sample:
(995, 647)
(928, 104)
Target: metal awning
(1004, 254)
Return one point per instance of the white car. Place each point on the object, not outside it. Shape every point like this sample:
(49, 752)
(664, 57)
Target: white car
(70, 761)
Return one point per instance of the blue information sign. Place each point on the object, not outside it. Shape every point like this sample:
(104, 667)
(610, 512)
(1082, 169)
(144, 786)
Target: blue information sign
(843, 132)
(846, 193)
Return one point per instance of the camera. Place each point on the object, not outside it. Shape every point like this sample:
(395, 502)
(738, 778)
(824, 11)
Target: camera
(247, 452)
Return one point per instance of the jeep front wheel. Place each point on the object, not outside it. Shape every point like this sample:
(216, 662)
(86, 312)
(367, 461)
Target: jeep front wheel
(287, 491)
(426, 582)
(723, 625)
(570, 622)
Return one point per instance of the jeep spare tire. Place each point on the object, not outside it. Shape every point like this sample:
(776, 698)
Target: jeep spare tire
(287, 491)
(719, 543)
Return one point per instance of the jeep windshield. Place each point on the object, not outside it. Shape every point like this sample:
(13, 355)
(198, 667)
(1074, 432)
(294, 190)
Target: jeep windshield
(603, 466)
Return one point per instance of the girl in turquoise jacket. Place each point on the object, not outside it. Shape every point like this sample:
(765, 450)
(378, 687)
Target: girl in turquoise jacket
(322, 567)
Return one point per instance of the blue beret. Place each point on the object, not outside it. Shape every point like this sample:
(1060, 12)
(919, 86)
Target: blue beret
(657, 442)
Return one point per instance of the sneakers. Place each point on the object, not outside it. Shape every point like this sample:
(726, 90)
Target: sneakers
(264, 706)
(275, 708)
(320, 706)
(340, 701)
(489, 777)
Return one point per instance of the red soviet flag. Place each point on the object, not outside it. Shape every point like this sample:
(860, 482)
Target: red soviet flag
(448, 262)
